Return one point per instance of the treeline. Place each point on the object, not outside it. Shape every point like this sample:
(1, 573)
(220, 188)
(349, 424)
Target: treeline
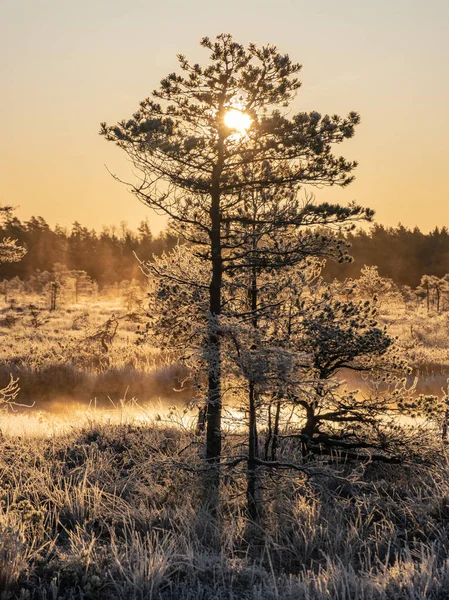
(404, 255)
(107, 257)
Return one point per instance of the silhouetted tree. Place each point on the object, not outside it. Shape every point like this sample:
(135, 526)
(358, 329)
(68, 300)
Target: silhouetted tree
(196, 168)
(82, 283)
(10, 252)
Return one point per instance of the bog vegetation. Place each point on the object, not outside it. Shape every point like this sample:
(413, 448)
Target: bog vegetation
(236, 408)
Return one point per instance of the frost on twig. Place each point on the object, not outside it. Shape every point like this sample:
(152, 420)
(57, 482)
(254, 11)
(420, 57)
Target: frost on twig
(9, 250)
(8, 395)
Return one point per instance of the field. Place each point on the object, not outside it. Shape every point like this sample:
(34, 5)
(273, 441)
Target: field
(81, 354)
(101, 479)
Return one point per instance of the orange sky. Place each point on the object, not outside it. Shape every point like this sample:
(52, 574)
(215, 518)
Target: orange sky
(68, 65)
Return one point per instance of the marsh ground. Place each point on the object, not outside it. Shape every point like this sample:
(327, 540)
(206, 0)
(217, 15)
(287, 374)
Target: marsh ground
(95, 502)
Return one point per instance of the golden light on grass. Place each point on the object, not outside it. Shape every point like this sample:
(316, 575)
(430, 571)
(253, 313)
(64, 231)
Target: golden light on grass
(237, 120)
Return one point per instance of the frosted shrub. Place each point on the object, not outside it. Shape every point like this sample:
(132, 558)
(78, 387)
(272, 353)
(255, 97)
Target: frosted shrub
(12, 551)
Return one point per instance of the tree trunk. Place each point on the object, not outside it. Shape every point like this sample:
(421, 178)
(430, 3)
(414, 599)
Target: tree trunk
(308, 429)
(214, 401)
(269, 431)
(251, 489)
(275, 443)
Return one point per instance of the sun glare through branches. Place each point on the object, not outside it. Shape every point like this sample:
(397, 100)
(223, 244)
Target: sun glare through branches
(237, 120)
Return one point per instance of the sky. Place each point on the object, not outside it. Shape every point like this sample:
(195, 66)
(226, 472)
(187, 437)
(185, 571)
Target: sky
(66, 66)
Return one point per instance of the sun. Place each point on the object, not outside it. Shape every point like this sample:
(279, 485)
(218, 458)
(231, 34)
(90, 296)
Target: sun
(238, 120)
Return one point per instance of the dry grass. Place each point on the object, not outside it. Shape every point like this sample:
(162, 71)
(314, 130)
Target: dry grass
(94, 507)
(425, 338)
(101, 512)
(56, 366)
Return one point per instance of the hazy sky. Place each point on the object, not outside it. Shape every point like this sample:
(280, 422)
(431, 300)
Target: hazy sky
(67, 65)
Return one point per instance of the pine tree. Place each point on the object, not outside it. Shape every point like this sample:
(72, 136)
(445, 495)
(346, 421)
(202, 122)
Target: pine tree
(206, 138)
(9, 250)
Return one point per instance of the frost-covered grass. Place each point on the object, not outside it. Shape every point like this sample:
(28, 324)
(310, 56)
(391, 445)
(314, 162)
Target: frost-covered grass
(424, 337)
(57, 366)
(94, 505)
(56, 369)
(100, 512)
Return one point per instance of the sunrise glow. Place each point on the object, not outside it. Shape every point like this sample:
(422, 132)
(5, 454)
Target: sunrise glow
(237, 120)
(223, 372)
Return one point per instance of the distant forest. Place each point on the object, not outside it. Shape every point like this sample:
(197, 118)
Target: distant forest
(108, 257)
(403, 254)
